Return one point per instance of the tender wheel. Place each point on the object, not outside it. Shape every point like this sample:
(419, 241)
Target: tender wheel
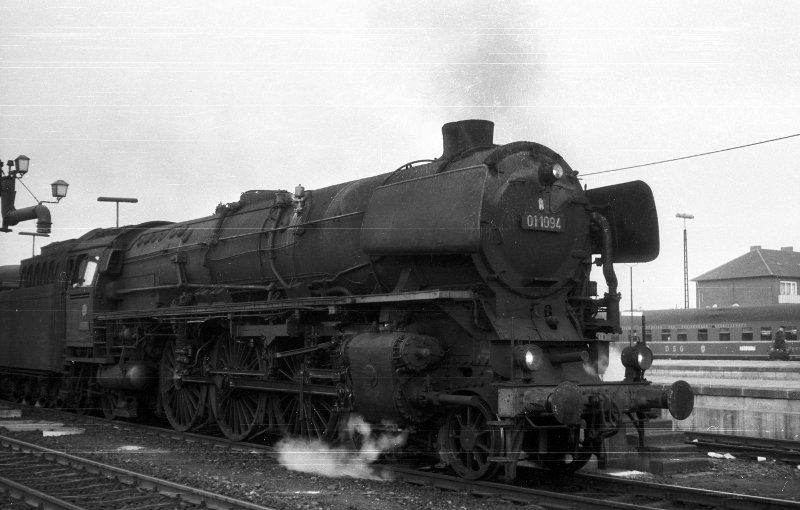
(239, 413)
(81, 398)
(28, 389)
(108, 403)
(468, 442)
(75, 387)
(184, 404)
(13, 391)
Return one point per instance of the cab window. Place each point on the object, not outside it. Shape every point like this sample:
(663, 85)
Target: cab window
(85, 272)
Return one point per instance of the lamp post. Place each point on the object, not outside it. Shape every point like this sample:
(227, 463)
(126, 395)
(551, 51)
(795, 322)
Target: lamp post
(685, 217)
(630, 339)
(118, 200)
(33, 235)
(17, 169)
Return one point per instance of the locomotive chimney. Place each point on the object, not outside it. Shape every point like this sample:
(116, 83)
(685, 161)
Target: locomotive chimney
(466, 134)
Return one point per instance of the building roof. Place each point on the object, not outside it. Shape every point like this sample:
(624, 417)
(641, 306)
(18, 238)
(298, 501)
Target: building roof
(758, 262)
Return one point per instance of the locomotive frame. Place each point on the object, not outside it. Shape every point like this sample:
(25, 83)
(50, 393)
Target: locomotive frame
(450, 298)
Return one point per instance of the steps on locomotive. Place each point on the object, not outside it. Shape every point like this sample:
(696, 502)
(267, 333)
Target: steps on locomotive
(665, 450)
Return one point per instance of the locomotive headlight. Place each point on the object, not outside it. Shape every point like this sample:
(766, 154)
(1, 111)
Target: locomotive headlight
(528, 357)
(638, 356)
(550, 172)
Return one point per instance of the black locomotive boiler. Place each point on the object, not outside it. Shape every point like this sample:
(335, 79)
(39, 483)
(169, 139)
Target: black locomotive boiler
(450, 298)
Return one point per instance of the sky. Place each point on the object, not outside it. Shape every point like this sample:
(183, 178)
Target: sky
(186, 104)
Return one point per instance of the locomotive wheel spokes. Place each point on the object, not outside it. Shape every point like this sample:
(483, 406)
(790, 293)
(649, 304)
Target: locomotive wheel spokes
(184, 404)
(239, 413)
(307, 416)
(469, 442)
(302, 414)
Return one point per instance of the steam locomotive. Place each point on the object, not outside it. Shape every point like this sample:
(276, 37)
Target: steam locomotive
(450, 298)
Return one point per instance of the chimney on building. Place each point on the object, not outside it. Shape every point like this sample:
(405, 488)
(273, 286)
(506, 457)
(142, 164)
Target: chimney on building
(755, 248)
(787, 249)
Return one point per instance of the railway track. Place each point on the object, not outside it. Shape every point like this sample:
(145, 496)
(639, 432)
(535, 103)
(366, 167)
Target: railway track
(592, 491)
(45, 478)
(779, 449)
(578, 491)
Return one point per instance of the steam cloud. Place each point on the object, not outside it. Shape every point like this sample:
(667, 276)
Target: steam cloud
(317, 457)
(614, 371)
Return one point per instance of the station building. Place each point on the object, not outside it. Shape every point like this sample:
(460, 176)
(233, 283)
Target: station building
(759, 277)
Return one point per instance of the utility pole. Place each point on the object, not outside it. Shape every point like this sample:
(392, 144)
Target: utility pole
(685, 217)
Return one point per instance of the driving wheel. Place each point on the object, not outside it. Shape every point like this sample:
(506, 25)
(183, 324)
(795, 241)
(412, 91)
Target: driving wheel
(565, 453)
(239, 413)
(304, 414)
(184, 403)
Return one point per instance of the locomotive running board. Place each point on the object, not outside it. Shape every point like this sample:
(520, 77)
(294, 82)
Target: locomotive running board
(216, 310)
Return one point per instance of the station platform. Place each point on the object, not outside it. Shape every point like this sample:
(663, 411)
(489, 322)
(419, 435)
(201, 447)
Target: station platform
(738, 397)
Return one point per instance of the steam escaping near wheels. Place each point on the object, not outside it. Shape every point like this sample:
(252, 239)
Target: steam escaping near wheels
(350, 458)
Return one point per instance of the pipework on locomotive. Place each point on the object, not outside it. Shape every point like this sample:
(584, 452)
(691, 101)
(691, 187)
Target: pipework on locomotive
(450, 298)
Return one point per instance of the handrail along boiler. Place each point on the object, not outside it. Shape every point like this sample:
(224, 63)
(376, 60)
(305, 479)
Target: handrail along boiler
(450, 298)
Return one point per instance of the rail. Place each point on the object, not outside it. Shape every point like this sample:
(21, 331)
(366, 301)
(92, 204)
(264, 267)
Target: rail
(90, 484)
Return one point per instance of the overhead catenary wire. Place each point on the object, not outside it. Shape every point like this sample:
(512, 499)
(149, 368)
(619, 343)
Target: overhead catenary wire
(693, 155)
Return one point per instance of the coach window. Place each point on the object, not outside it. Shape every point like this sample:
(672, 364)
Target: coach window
(747, 334)
(724, 334)
(665, 335)
(648, 335)
(702, 335)
(682, 336)
(790, 332)
(766, 333)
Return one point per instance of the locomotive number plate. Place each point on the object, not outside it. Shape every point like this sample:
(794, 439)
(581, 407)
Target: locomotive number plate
(547, 222)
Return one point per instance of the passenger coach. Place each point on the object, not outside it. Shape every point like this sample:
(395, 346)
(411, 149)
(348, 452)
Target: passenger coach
(733, 333)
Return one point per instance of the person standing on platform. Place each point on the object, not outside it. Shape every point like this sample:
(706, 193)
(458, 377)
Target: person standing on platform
(779, 350)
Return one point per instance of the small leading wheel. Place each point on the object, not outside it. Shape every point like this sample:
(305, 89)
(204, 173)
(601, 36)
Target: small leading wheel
(184, 404)
(239, 413)
(564, 453)
(468, 442)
